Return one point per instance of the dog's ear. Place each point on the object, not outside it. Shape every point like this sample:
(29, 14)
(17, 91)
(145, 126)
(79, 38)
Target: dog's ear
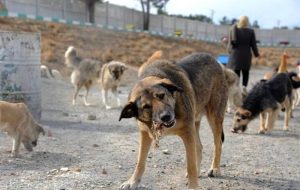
(171, 87)
(40, 129)
(124, 68)
(130, 110)
(247, 113)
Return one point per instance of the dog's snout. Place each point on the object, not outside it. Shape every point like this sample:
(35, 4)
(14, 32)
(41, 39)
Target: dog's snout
(238, 120)
(34, 143)
(166, 117)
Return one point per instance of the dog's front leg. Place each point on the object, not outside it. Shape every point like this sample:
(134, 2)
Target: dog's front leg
(262, 127)
(16, 146)
(104, 99)
(116, 94)
(188, 139)
(271, 119)
(134, 180)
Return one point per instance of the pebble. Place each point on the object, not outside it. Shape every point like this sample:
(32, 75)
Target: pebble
(64, 169)
(91, 117)
(166, 151)
(95, 145)
(104, 171)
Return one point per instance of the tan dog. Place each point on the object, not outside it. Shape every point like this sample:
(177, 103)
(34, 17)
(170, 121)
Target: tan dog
(85, 72)
(235, 95)
(170, 99)
(110, 79)
(17, 121)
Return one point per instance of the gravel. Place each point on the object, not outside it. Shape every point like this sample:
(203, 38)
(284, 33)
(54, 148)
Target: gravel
(88, 148)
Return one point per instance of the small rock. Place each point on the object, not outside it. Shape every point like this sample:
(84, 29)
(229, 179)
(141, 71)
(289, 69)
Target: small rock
(104, 171)
(65, 169)
(120, 167)
(167, 152)
(95, 145)
(52, 171)
(91, 117)
(76, 169)
(65, 114)
(133, 150)
(256, 172)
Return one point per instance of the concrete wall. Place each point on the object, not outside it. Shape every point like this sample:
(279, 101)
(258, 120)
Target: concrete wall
(119, 16)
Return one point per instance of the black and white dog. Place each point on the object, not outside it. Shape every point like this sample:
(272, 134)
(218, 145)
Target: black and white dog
(265, 99)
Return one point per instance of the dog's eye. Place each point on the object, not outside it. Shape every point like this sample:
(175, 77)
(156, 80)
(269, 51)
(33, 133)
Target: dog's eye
(146, 106)
(160, 96)
(243, 117)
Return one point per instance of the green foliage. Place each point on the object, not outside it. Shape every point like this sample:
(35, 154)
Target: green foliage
(201, 18)
(227, 21)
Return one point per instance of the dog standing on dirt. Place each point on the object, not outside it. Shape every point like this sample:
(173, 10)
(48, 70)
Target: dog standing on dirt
(265, 99)
(170, 99)
(85, 72)
(17, 121)
(110, 79)
(235, 95)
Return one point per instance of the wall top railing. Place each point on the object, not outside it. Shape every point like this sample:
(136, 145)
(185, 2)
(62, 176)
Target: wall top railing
(120, 18)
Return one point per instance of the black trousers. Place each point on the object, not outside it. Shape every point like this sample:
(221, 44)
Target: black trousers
(245, 74)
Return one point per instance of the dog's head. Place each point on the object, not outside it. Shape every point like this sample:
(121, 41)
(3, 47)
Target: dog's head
(71, 51)
(152, 101)
(31, 135)
(116, 69)
(240, 120)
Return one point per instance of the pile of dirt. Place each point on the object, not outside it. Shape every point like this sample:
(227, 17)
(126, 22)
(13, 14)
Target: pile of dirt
(131, 48)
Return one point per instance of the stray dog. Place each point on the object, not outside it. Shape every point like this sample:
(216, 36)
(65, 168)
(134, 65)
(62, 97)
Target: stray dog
(17, 121)
(50, 73)
(85, 72)
(110, 79)
(265, 99)
(170, 99)
(155, 56)
(235, 95)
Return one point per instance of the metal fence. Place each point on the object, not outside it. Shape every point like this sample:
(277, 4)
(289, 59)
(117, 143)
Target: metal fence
(121, 17)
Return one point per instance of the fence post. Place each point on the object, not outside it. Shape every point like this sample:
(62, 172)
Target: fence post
(106, 16)
(63, 9)
(36, 7)
(162, 23)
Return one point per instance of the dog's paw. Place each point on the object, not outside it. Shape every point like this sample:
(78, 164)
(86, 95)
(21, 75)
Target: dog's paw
(261, 132)
(285, 128)
(108, 107)
(87, 104)
(14, 155)
(129, 185)
(215, 172)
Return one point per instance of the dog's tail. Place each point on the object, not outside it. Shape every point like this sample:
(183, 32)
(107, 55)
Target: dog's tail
(230, 76)
(71, 58)
(155, 56)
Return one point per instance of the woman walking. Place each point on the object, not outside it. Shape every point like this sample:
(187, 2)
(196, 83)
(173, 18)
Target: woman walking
(241, 41)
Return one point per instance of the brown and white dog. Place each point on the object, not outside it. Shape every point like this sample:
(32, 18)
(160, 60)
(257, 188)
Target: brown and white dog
(17, 121)
(85, 72)
(170, 99)
(111, 74)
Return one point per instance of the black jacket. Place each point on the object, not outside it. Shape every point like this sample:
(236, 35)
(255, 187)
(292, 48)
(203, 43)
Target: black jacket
(241, 41)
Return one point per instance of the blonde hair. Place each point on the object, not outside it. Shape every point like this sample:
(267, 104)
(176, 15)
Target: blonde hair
(243, 22)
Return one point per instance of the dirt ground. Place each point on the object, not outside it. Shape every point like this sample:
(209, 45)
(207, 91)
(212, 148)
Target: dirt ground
(85, 154)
